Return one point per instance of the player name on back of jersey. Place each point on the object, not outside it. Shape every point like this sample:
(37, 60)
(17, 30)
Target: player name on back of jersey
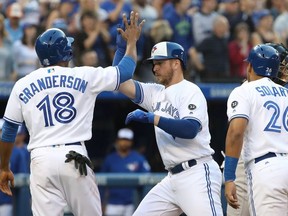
(55, 81)
(272, 91)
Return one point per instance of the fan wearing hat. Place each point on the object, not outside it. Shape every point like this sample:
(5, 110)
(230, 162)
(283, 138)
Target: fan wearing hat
(119, 201)
(12, 23)
(263, 22)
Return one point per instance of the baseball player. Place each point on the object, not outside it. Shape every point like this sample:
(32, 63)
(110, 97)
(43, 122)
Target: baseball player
(178, 110)
(241, 180)
(123, 160)
(57, 103)
(257, 114)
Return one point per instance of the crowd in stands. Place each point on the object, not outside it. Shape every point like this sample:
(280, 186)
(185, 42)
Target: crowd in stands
(217, 35)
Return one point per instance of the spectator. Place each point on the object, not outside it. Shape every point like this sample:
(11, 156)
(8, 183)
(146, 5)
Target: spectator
(215, 64)
(115, 9)
(276, 7)
(31, 12)
(25, 57)
(63, 13)
(90, 58)
(181, 23)
(88, 5)
(231, 10)
(247, 8)
(239, 49)
(6, 57)
(263, 22)
(280, 25)
(93, 36)
(13, 24)
(146, 12)
(123, 160)
(202, 26)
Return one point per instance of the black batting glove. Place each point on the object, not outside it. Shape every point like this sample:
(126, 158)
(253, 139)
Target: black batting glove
(80, 161)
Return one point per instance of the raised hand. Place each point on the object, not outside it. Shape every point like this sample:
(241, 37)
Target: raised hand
(132, 30)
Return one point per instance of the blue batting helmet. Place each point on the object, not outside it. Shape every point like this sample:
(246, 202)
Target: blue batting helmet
(265, 60)
(168, 50)
(53, 46)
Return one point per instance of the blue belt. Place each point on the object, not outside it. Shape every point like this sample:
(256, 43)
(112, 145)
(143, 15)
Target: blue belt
(179, 168)
(268, 155)
(67, 144)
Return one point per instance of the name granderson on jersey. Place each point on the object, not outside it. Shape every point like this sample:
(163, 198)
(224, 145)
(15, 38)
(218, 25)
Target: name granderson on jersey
(54, 81)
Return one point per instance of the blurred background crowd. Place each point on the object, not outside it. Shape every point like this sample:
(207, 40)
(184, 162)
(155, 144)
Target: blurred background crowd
(217, 35)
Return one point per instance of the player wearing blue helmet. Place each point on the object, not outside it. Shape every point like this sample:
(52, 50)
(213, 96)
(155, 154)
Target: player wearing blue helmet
(53, 47)
(282, 77)
(257, 114)
(240, 181)
(57, 104)
(178, 111)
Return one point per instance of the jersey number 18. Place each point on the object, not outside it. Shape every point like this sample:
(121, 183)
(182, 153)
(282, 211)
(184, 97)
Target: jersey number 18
(64, 110)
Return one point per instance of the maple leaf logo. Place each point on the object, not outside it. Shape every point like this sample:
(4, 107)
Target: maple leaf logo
(154, 49)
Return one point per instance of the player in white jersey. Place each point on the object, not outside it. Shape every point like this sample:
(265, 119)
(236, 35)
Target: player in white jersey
(257, 114)
(241, 180)
(57, 104)
(178, 109)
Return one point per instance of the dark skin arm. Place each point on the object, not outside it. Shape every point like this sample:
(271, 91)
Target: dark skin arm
(234, 142)
(6, 175)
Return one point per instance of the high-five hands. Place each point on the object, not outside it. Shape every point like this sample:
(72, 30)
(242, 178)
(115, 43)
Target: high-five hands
(140, 116)
(131, 30)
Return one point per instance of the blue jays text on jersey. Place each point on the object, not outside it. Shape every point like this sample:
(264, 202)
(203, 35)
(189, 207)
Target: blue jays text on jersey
(167, 108)
(272, 91)
(52, 82)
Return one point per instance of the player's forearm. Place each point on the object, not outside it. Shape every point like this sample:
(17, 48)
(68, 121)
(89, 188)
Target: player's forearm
(131, 49)
(182, 128)
(5, 153)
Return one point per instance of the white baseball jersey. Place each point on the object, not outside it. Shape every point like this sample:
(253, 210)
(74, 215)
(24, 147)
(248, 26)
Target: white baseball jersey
(180, 101)
(57, 103)
(264, 104)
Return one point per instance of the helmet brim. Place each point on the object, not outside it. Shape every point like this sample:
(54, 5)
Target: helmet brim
(158, 58)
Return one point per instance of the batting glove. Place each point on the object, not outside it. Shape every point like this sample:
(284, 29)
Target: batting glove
(140, 116)
(80, 162)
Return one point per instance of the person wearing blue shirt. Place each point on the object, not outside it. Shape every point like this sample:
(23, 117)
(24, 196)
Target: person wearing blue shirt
(119, 201)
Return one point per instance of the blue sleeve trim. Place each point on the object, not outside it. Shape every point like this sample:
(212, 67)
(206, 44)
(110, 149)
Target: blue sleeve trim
(182, 128)
(12, 121)
(138, 93)
(230, 168)
(118, 56)
(126, 68)
(9, 132)
(240, 116)
(118, 79)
